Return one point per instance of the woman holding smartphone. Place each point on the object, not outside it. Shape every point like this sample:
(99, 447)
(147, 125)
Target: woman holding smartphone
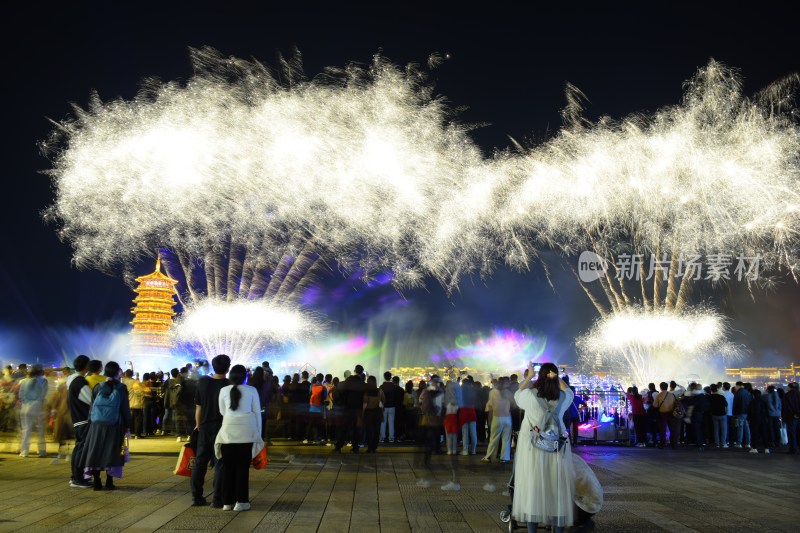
(544, 481)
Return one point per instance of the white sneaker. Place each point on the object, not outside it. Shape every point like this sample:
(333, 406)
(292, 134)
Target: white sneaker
(451, 486)
(465, 452)
(227, 507)
(177, 439)
(725, 446)
(305, 441)
(737, 445)
(766, 450)
(23, 454)
(241, 506)
(753, 450)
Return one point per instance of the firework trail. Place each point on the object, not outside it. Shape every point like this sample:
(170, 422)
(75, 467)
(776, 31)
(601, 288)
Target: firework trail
(241, 177)
(719, 173)
(249, 182)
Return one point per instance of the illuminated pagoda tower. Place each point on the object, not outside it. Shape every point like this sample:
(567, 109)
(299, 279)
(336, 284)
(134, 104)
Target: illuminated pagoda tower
(152, 315)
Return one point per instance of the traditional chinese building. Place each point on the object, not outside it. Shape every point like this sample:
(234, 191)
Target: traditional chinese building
(152, 315)
(763, 375)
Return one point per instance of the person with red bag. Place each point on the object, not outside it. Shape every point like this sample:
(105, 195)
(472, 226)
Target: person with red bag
(239, 438)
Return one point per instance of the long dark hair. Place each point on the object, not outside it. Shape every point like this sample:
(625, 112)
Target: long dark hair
(236, 375)
(258, 378)
(548, 388)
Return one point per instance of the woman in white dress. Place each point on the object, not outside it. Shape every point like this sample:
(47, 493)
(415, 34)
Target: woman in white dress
(239, 438)
(544, 482)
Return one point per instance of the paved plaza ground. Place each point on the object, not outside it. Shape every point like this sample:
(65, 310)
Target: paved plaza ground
(308, 488)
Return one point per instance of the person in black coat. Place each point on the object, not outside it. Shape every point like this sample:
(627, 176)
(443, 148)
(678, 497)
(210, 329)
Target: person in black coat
(757, 418)
(699, 403)
(350, 394)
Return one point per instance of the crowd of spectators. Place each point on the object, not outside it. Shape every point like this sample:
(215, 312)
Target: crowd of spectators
(447, 416)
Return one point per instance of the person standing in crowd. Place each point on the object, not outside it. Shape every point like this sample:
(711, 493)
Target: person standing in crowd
(726, 392)
(239, 439)
(652, 412)
(718, 406)
(499, 406)
(422, 431)
(741, 408)
(316, 411)
(467, 417)
(136, 398)
(295, 403)
(757, 419)
(172, 403)
(59, 414)
(665, 402)
(393, 395)
(544, 482)
(571, 416)
(159, 388)
(773, 403)
(431, 402)
(301, 400)
(263, 388)
(351, 392)
(695, 400)
(32, 393)
(332, 414)
(373, 415)
(639, 416)
(452, 395)
(410, 413)
(791, 415)
(21, 372)
(95, 374)
(208, 421)
(512, 386)
(79, 398)
(186, 407)
(483, 422)
(148, 416)
(109, 421)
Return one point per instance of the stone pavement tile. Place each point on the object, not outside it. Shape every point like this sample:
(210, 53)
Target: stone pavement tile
(718, 492)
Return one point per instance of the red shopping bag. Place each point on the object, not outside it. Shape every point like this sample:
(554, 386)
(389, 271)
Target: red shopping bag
(186, 461)
(260, 460)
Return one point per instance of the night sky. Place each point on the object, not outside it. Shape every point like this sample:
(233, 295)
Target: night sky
(507, 69)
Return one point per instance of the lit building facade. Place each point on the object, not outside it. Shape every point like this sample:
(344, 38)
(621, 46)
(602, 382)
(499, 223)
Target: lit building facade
(152, 316)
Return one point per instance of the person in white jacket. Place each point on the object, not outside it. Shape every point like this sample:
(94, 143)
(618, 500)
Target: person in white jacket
(239, 438)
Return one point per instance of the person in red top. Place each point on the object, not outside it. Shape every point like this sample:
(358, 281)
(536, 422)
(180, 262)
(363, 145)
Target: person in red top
(316, 407)
(639, 416)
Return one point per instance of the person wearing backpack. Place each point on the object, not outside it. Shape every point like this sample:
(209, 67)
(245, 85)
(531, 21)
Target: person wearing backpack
(109, 421)
(666, 402)
(544, 476)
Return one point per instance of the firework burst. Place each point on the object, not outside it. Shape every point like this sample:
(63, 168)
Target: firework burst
(658, 346)
(243, 329)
